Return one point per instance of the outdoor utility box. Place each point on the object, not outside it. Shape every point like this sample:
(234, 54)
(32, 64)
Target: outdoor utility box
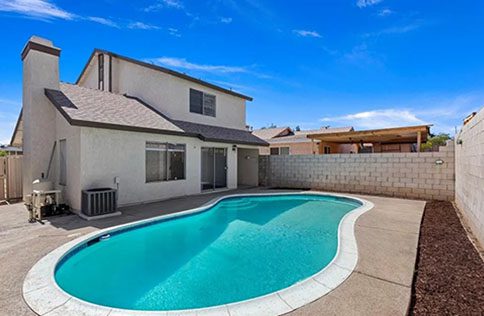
(98, 201)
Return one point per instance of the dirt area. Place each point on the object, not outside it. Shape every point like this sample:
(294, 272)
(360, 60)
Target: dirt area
(449, 278)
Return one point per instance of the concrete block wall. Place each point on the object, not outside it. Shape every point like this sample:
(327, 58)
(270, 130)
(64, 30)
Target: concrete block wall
(469, 155)
(408, 175)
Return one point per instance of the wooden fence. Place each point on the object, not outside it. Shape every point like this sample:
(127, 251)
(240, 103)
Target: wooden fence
(10, 178)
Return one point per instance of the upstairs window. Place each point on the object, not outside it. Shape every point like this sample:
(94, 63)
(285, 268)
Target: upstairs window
(202, 103)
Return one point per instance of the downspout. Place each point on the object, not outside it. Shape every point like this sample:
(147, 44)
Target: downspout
(50, 161)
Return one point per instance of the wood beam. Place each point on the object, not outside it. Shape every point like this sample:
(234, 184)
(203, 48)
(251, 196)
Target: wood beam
(419, 140)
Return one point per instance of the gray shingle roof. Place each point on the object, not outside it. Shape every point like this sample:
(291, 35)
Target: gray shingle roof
(94, 108)
(216, 133)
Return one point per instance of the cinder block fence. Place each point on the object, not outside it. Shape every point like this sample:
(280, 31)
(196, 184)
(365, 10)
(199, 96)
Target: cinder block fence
(469, 195)
(426, 175)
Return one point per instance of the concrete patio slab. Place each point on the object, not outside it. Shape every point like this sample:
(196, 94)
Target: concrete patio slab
(360, 295)
(386, 236)
(379, 251)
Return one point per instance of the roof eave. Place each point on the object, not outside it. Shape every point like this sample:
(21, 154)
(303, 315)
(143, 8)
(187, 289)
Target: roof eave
(162, 69)
(416, 128)
(93, 124)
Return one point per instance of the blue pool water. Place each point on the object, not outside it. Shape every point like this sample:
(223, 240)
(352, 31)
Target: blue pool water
(239, 249)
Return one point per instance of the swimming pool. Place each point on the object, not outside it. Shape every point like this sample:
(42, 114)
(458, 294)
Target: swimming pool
(239, 248)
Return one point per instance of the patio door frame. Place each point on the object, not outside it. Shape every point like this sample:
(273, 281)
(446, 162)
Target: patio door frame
(215, 168)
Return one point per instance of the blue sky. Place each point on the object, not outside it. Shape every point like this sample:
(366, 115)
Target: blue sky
(365, 63)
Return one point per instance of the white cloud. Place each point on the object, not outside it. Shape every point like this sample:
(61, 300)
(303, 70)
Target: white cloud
(102, 21)
(6, 133)
(42, 9)
(399, 29)
(385, 12)
(8, 102)
(142, 26)
(233, 86)
(182, 63)
(174, 4)
(444, 112)
(46, 10)
(367, 3)
(360, 55)
(226, 20)
(378, 119)
(305, 33)
(174, 32)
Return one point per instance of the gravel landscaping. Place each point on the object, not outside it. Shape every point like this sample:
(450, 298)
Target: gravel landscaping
(449, 277)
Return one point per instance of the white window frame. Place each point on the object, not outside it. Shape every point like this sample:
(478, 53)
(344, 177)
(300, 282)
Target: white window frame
(167, 150)
(205, 102)
(285, 147)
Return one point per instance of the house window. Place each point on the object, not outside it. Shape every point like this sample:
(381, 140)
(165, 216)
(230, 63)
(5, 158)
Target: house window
(164, 161)
(327, 150)
(279, 151)
(176, 162)
(202, 103)
(100, 83)
(62, 162)
(284, 151)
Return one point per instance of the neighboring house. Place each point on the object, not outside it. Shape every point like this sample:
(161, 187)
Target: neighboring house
(384, 140)
(11, 150)
(342, 140)
(285, 141)
(152, 132)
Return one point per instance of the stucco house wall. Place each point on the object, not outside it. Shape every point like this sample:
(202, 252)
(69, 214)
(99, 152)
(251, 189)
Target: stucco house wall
(96, 154)
(167, 93)
(469, 168)
(248, 166)
(40, 71)
(72, 136)
(107, 154)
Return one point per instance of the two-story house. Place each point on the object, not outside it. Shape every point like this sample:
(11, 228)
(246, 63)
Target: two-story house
(151, 132)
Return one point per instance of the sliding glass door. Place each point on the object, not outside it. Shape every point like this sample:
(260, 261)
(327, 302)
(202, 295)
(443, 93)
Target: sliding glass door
(214, 168)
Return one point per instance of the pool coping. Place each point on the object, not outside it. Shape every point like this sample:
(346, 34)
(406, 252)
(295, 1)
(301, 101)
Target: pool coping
(44, 296)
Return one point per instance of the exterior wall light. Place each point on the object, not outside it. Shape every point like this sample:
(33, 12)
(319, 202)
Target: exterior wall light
(234, 147)
(439, 162)
(459, 141)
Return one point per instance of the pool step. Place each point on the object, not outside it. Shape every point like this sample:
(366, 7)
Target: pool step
(239, 204)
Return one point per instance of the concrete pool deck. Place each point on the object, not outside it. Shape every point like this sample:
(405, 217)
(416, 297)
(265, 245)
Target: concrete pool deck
(387, 238)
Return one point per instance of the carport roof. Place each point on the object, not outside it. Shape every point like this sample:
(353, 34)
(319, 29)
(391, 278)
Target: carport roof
(407, 134)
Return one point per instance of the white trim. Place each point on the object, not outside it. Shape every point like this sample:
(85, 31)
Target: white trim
(44, 296)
